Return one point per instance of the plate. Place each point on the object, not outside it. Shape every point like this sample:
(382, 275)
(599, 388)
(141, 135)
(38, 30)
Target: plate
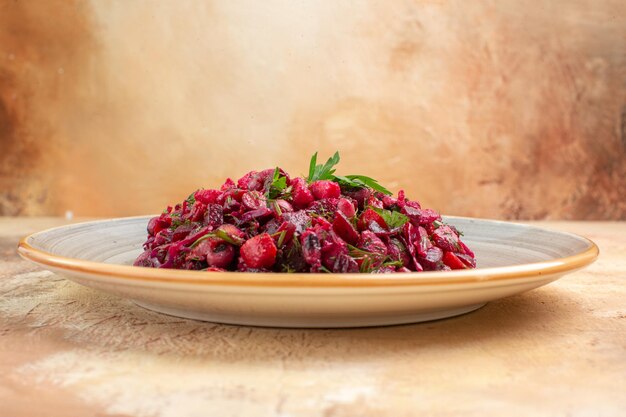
(512, 258)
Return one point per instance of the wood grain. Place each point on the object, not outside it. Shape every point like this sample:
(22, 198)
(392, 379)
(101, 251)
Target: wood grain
(557, 350)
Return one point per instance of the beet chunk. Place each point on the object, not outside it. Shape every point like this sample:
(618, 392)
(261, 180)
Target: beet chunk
(300, 193)
(432, 257)
(217, 253)
(145, 259)
(346, 207)
(368, 217)
(360, 195)
(345, 230)
(325, 189)
(259, 251)
(344, 263)
(260, 181)
(451, 260)
(253, 200)
(214, 215)
(311, 248)
(446, 239)
(207, 196)
(372, 243)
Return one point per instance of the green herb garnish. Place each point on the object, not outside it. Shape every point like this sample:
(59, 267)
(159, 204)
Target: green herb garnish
(278, 185)
(281, 238)
(191, 200)
(295, 248)
(371, 260)
(288, 269)
(233, 240)
(322, 172)
(360, 181)
(393, 263)
(276, 208)
(200, 239)
(220, 234)
(177, 221)
(366, 265)
(327, 171)
(392, 218)
(324, 269)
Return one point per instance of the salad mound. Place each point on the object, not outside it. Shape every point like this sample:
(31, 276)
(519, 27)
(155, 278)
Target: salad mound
(268, 221)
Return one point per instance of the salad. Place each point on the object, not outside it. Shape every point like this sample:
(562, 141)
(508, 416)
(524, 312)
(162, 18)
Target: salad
(268, 221)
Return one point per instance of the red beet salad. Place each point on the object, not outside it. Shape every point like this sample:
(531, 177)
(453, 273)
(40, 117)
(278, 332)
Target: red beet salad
(268, 221)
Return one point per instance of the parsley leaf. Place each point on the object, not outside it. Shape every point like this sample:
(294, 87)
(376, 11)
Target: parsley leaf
(278, 185)
(322, 172)
(312, 166)
(191, 199)
(177, 222)
(360, 181)
(369, 182)
(392, 218)
(327, 171)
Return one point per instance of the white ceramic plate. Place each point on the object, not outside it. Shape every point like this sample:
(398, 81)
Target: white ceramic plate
(512, 258)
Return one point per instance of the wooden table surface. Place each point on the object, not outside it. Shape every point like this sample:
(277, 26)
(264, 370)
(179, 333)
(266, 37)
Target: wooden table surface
(559, 350)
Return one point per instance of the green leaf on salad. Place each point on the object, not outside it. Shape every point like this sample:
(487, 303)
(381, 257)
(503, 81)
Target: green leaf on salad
(322, 172)
(191, 200)
(233, 240)
(278, 185)
(327, 171)
(360, 181)
(312, 166)
(369, 182)
(392, 218)
(177, 222)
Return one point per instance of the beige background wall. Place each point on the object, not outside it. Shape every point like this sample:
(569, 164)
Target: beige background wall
(504, 108)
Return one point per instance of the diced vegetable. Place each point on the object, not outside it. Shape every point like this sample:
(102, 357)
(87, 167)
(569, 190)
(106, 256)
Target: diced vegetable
(267, 221)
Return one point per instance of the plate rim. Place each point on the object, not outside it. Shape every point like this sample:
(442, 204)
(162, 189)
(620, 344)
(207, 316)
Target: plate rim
(277, 279)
